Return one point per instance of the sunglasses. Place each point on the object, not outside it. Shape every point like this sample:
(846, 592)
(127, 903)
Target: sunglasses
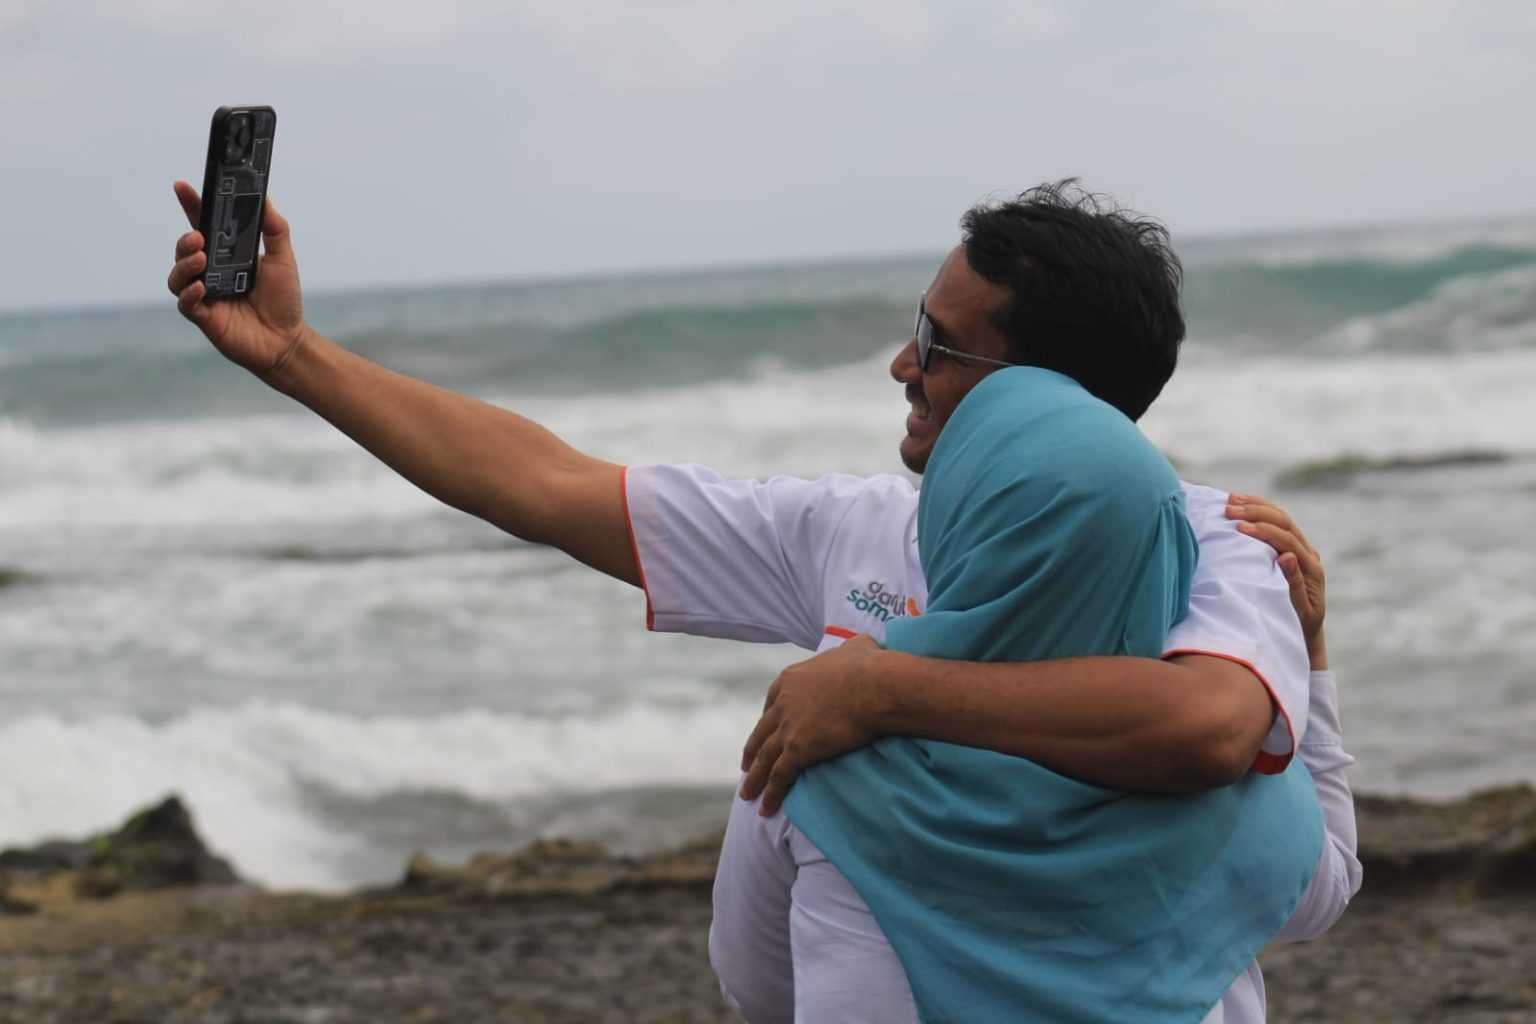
(924, 331)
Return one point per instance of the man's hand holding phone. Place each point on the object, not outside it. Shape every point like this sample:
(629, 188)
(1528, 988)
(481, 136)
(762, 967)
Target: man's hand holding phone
(260, 330)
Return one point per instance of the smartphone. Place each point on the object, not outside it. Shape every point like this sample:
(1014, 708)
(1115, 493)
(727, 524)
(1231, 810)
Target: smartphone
(234, 195)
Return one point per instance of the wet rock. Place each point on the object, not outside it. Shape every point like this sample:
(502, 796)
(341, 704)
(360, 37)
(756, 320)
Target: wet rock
(563, 867)
(1482, 845)
(156, 848)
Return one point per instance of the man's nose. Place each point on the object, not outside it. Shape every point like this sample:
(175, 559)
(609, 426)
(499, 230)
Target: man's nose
(904, 369)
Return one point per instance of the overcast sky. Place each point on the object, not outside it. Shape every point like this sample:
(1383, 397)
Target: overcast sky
(459, 139)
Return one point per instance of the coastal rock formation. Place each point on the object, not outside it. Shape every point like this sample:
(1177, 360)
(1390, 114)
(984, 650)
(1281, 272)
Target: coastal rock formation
(562, 867)
(566, 931)
(1483, 845)
(156, 848)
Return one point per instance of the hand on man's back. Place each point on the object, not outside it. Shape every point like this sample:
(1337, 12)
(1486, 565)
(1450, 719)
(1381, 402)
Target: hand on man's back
(817, 709)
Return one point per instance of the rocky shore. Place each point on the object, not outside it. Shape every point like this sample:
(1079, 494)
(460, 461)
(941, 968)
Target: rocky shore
(145, 926)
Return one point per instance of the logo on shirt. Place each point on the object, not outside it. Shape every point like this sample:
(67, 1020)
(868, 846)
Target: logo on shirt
(882, 603)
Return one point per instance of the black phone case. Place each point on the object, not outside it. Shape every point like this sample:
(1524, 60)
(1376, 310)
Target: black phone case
(234, 196)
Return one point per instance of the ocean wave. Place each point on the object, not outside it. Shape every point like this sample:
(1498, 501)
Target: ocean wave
(1389, 244)
(1476, 297)
(348, 553)
(644, 348)
(296, 471)
(16, 577)
(233, 471)
(1340, 471)
(249, 773)
(617, 337)
(1275, 412)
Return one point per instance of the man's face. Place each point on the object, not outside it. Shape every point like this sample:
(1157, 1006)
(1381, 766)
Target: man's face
(961, 304)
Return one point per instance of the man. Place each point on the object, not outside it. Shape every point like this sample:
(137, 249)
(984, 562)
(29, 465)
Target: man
(1232, 693)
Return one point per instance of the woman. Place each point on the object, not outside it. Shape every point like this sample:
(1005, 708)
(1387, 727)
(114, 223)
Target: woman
(1049, 527)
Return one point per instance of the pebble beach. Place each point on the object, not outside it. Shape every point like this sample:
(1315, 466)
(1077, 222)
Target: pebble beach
(144, 926)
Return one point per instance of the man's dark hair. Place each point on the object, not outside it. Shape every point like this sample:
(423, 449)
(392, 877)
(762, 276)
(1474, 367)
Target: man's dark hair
(1095, 289)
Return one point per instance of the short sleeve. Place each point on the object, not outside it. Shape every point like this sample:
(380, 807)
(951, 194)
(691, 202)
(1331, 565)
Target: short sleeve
(735, 559)
(1240, 609)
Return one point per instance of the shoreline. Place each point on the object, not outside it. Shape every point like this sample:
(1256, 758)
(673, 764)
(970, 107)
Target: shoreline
(143, 925)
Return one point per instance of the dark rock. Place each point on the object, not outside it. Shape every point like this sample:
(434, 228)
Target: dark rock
(10, 903)
(156, 848)
(47, 858)
(1483, 844)
(566, 867)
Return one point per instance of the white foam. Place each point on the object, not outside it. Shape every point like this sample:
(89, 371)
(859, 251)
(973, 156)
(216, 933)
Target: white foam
(297, 469)
(241, 769)
(267, 469)
(1281, 411)
(845, 419)
(1485, 311)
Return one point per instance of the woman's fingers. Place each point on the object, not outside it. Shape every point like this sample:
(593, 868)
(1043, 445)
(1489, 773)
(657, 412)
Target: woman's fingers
(1290, 568)
(1255, 509)
(1284, 541)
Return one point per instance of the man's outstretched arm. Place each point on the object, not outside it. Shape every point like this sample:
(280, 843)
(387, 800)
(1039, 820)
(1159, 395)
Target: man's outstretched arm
(1183, 724)
(469, 454)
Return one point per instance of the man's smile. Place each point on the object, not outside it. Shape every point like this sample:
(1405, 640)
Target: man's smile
(921, 410)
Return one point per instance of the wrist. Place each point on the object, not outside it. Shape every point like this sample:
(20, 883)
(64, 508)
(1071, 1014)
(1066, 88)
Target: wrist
(874, 679)
(280, 374)
(1317, 652)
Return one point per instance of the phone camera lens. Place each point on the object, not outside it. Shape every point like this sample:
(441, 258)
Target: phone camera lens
(237, 138)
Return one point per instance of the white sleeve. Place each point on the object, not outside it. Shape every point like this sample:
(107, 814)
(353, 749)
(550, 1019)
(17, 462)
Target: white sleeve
(1338, 869)
(737, 559)
(1240, 609)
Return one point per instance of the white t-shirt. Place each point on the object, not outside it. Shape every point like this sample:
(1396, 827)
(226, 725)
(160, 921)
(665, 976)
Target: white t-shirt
(814, 562)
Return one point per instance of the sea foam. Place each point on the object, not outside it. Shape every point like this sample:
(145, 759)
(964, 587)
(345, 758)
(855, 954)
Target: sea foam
(244, 770)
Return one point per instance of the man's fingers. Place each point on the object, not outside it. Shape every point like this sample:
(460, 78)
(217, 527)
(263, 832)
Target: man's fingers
(762, 765)
(764, 728)
(191, 305)
(780, 780)
(189, 243)
(191, 205)
(184, 272)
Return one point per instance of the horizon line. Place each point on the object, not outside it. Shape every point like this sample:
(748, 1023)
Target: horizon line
(682, 269)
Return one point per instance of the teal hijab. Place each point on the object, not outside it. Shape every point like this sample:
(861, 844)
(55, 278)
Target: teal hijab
(1048, 527)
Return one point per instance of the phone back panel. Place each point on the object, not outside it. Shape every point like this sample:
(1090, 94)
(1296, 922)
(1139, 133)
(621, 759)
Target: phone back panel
(234, 195)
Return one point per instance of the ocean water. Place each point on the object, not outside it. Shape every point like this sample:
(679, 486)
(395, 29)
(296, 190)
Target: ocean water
(205, 589)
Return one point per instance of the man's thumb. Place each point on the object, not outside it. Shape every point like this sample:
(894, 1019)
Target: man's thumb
(274, 233)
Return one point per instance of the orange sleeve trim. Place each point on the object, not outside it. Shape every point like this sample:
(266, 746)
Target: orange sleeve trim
(634, 547)
(1265, 763)
(846, 634)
